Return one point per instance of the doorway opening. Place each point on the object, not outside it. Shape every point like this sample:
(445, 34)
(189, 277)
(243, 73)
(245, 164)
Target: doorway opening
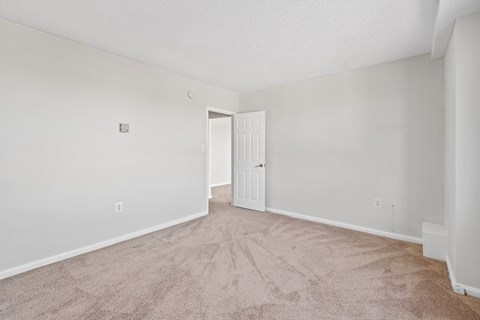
(219, 155)
(236, 158)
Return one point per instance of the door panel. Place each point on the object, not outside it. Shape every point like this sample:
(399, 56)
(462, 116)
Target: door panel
(249, 160)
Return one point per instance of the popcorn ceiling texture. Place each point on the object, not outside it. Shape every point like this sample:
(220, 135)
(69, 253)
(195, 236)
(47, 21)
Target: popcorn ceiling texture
(239, 264)
(240, 45)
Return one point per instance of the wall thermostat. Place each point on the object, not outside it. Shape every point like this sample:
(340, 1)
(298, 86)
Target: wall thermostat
(124, 127)
(191, 94)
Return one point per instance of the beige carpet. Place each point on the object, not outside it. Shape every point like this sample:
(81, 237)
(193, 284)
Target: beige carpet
(240, 264)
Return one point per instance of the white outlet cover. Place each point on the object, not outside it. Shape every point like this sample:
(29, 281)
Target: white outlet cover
(377, 202)
(118, 206)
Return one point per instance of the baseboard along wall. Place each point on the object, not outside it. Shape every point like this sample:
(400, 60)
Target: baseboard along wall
(458, 287)
(219, 184)
(70, 254)
(387, 234)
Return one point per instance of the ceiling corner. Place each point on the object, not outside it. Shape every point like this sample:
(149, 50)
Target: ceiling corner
(448, 11)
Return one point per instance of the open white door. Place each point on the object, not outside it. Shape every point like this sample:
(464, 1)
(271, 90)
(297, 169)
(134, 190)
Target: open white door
(249, 160)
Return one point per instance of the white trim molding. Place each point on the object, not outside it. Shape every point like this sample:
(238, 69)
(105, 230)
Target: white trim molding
(458, 287)
(70, 254)
(222, 111)
(213, 185)
(391, 235)
(435, 240)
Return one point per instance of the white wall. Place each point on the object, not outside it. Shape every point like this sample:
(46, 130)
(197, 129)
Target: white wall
(63, 163)
(220, 151)
(450, 147)
(336, 142)
(463, 150)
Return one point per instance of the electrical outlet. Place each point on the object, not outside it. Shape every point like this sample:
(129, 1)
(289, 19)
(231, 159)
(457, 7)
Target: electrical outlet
(394, 205)
(118, 206)
(377, 203)
(204, 148)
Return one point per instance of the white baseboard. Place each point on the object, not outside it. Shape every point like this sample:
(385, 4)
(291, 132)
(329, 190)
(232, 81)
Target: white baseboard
(435, 241)
(219, 184)
(458, 287)
(62, 256)
(391, 235)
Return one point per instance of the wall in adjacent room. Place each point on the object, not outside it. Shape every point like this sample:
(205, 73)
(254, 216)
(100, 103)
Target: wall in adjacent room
(335, 143)
(220, 151)
(63, 162)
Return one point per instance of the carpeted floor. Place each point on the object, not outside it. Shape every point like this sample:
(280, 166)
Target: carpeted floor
(240, 264)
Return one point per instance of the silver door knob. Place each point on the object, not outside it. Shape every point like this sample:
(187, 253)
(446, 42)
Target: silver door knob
(260, 165)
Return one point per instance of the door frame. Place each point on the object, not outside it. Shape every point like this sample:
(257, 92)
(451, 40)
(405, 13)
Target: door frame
(207, 150)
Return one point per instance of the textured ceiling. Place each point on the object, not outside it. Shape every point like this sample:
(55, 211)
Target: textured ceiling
(240, 45)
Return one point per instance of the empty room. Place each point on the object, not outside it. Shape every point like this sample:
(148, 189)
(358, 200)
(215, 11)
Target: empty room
(215, 160)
